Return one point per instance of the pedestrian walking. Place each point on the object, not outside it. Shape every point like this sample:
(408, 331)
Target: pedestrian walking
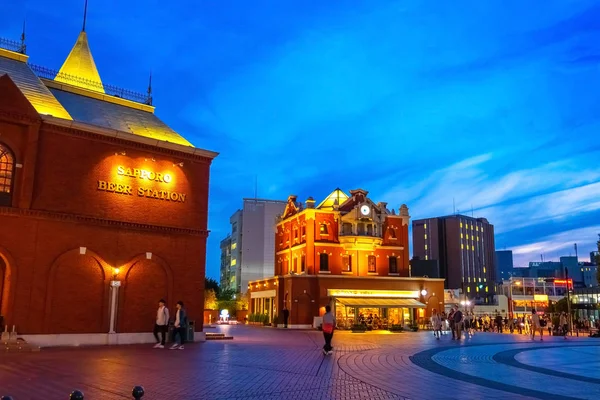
(436, 323)
(563, 324)
(328, 326)
(161, 325)
(536, 325)
(180, 326)
(452, 323)
(458, 321)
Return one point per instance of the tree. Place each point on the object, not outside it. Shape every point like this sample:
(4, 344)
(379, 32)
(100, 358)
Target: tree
(210, 300)
(226, 295)
(242, 302)
(210, 283)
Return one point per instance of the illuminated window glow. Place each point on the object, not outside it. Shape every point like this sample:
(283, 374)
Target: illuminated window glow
(6, 175)
(233, 262)
(233, 246)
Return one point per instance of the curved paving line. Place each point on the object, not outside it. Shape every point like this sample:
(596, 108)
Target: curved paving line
(424, 359)
(508, 358)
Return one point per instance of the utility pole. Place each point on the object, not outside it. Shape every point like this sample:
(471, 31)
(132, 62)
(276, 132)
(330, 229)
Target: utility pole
(568, 301)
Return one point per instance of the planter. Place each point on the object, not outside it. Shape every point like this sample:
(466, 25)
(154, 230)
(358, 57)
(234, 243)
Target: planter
(396, 328)
(359, 329)
(414, 328)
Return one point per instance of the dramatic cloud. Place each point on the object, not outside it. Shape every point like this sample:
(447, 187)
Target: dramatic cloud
(491, 106)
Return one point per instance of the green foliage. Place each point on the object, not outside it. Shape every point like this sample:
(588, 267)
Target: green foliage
(210, 300)
(229, 305)
(226, 294)
(210, 283)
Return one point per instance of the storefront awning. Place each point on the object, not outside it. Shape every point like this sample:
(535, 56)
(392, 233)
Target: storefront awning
(370, 302)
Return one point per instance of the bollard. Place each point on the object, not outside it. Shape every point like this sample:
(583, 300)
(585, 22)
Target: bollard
(137, 392)
(76, 395)
(6, 398)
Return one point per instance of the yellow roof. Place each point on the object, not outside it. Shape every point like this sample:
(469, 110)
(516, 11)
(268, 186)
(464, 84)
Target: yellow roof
(80, 64)
(336, 198)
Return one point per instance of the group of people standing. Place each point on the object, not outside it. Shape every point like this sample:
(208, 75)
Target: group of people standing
(457, 322)
(162, 325)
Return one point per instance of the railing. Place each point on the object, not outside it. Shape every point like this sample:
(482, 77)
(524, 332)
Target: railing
(368, 234)
(12, 45)
(47, 73)
(137, 393)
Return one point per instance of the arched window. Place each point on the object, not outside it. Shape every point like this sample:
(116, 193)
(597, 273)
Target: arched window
(7, 168)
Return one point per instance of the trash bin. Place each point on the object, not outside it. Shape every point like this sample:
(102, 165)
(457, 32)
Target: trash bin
(190, 331)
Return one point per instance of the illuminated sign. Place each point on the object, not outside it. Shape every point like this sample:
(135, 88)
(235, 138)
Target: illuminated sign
(540, 297)
(412, 294)
(563, 281)
(146, 176)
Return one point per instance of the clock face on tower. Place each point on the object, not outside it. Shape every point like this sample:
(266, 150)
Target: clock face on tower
(364, 210)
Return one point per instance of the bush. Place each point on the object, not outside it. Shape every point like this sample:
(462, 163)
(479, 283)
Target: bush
(359, 328)
(396, 328)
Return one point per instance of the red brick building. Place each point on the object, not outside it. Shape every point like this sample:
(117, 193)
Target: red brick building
(349, 252)
(103, 207)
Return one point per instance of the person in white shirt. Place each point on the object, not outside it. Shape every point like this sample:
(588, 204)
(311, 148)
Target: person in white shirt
(436, 324)
(536, 325)
(161, 325)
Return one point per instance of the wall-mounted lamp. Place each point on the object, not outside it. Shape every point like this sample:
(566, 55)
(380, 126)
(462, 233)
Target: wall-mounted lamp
(424, 292)
(121, 153)
(151, 159)
(180, 164)
(115, 273)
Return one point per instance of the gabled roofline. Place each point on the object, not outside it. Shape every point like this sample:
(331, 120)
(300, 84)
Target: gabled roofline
(128, 136)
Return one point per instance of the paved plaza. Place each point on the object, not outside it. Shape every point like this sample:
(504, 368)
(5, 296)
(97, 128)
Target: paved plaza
(266, 363)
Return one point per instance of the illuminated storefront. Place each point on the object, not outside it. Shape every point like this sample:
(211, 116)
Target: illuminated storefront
(103, 207)
(525, 294)
(350, 253)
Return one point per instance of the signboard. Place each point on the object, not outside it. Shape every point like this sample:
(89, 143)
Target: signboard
(404, 294)
(152, 184)
(540, 297)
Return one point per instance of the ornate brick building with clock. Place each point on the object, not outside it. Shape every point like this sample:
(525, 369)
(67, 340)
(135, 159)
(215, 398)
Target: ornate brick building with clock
(347, 251)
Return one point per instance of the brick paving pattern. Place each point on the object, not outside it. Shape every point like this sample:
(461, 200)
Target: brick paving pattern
(266, 363)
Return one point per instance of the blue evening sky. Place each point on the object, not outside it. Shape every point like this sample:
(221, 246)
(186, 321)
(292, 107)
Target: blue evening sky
(494, 103)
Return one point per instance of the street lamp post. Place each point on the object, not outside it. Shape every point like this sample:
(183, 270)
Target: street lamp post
(568, 301)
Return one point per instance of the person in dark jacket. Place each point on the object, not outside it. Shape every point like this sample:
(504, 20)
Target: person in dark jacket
(180, 326)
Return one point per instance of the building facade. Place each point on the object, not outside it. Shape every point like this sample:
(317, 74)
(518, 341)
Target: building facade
(525, 294)
(103, 207)
(225, 275)
(583, 273)
(504, 265)
(465, 249)
(348, 252)
(251, 243)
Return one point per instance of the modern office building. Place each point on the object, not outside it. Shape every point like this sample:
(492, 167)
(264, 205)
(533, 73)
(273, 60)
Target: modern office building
(348, 252)
(504, 265)
(225, 269)
(583, 274)
(251, 243)
(465, 249)
(103, 207)
(525, 294)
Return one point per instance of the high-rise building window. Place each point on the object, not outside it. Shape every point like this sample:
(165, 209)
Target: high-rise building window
(425, 236)
(425, 247)
(393, 265)
(425, 226)
(323, 262)
(347, 263)
(371, 261)
(233, 262)
(426, 257)
(233, 246)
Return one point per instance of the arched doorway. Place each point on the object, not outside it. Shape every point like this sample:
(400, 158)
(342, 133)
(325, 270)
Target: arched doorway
(3, 273)
(145, 284)
(76, 301)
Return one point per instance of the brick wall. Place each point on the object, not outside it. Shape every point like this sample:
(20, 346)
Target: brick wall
(47, 286)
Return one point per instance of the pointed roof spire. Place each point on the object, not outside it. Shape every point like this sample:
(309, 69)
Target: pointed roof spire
(79, 69)
(23, 48)
(149, 97)
(84, 16)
